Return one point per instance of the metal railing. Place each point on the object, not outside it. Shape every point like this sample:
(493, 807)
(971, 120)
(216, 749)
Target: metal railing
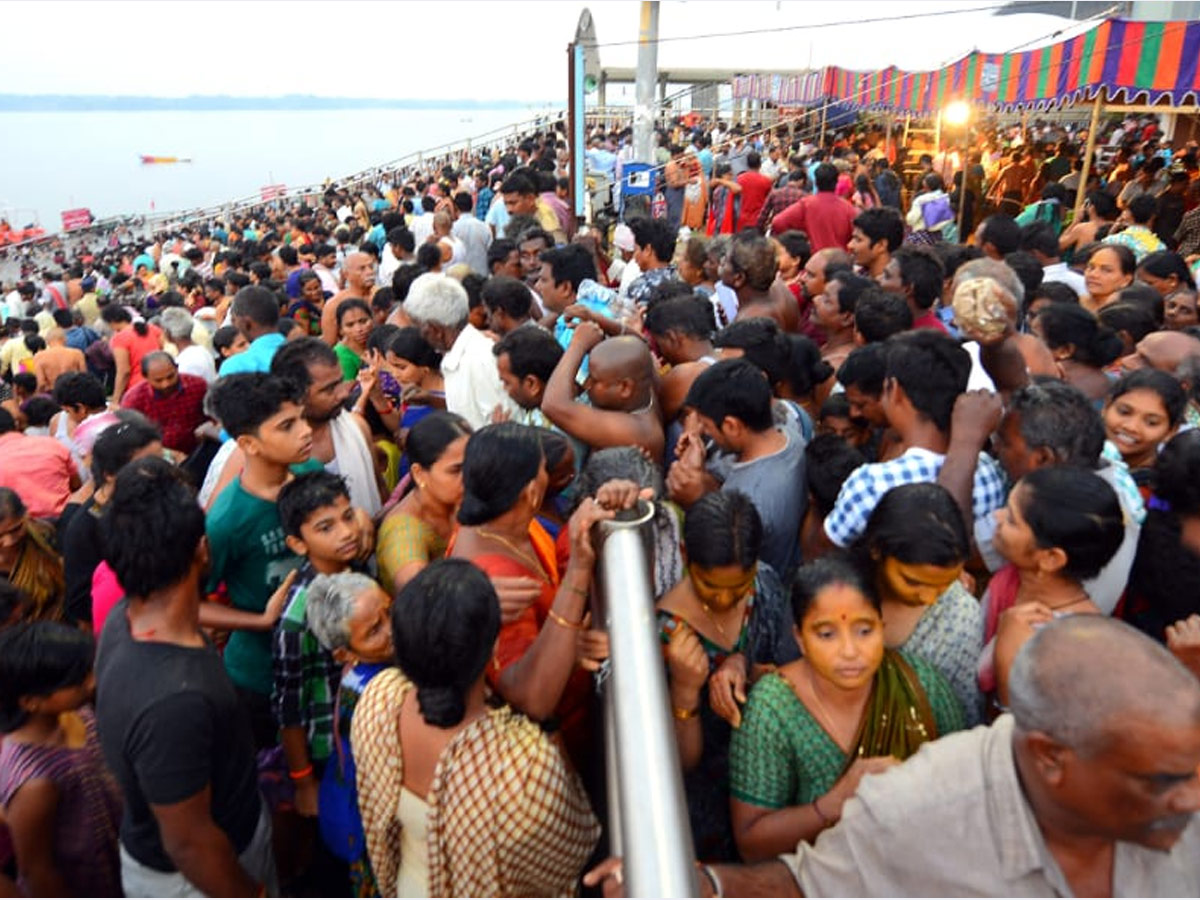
(648, 820)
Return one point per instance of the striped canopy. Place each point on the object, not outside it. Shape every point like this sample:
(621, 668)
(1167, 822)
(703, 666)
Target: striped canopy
(1133, 61)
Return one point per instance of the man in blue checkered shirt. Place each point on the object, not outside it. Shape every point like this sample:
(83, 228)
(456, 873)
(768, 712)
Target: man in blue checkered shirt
(926, 371)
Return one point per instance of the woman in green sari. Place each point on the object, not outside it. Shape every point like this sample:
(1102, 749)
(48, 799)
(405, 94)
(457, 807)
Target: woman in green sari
(848, 708)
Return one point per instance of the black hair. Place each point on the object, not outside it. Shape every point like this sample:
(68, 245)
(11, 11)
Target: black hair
(1176, 477)
(723, 528)
(1125, 256)
(1134, 319)
(35, 344)
(1058, 417)
(1143, 208)
(879, 314)
(733, 388)
(384, 299)
(656, 234)
(13, 602)
(403, 279)
(570, 262)
(921, 270)
(79, 389)
(1104, 203)
(500, 250)
(224, 337)
(762, 343)
(1055, 292)
(1077, 511)
(955, 255)
(829, 570)
(258, 304)
(291, 361)
(828, 462)
(407, 343)
(825, 176)
(1146, 297)
(349, 305)
(1039, 237)
(150, 500)
(429, 256)
(1066, 323)
(796, 243)
(918, 524)
(531, 351)
(932, 369)
(500, 461)
(1028, 270)
(806, 370)
(402, 236)
(305, 494)
(1167, 386)
(882, 223)
(115, 446)
(518, 183)
(243, 402)
(463, 202)
(865, 368)
(7, 422)
(1165, 263)
(688, 315)
(508, 295)
(288, 255)
(63, 318)
(444, 625)
(39, 410)
(37, 659)
(1002, 232)
(429, 438)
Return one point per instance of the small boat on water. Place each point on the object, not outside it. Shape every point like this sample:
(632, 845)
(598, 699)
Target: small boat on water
(154, 160)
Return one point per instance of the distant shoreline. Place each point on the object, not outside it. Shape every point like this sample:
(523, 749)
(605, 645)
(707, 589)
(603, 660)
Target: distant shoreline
(224, 103)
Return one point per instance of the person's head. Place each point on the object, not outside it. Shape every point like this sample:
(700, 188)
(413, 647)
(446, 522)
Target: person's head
(504, 470)
(1143, 409)
(350, 616)
(444, 627)
(879, 314)
(255, 311)
(520, 195)
(916, 273)
(264, 413)
(318, 521)
(313, 368)
(532, 242)
(820, 266)
(228, 341)
(508, 301)
(678, 323)
(1162, 350)
(525, 360)
(151, 499)
(117, 318)
(161, 372)
(1130, 321)
(79, 393)
(722, 537)
(837, 621)
(877, 233)
(45, 670)
(733, 400)
(1039, 238)
(1109, 268)
(359, 270)
(829, 459)
(916, 543)
(620, 374)
(1073, 333)
(1141, 210)
(750, 266)
(793, 250)
(435, 447)
(1049, 422)
(1110, 751)
(1166, 272)
(503, 258)
(120, 444)
(563, 270)
(926, 371)
(825, 177)
(439, 306)
(834, 309)
(806, 370)
(758, 340)
(1027, 268)
(654, 240)
(862, 376)
(354, 321)
(1179, 310)
(1060, 521)
(177, 324)
(998, 235)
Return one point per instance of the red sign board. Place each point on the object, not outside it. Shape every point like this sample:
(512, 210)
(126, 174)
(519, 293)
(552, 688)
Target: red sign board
(273, 191)
(76, 218)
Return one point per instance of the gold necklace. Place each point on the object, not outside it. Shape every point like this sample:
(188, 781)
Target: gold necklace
(829, 720)
(525, 557)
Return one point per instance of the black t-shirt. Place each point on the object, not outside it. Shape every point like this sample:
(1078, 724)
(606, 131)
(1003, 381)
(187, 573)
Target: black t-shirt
(171, 725)
(80, 539)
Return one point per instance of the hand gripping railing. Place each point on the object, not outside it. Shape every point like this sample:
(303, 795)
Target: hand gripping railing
(647, 810)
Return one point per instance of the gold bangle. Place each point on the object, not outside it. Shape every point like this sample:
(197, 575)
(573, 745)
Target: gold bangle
(559, 620)
(682, 714)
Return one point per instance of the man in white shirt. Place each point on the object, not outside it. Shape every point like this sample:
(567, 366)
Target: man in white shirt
(396, 252)
(1039, 239)
(191, 358)
(474, 235)
(438, 305)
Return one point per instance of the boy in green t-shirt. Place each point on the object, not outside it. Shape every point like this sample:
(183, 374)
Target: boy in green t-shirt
(246, 541)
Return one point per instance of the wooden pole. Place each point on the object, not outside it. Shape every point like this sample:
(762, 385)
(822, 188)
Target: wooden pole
(1094, 124)
(824, 111)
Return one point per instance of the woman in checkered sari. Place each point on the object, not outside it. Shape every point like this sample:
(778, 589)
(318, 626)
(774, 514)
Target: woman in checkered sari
(459, 797)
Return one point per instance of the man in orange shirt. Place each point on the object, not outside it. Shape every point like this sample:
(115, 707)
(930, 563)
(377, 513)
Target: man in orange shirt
(39, 469)
(57, 359)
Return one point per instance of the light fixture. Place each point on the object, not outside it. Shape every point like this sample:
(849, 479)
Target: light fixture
(956, 113)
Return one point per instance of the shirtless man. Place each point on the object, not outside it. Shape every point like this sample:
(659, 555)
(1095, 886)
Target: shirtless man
(682, 330)
(750, 272)
(620, 386)
(360, 284)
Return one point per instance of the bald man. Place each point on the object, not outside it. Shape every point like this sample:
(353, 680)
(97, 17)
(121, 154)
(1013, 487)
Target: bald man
(1162, 350)
(620, 387)
(359, 270)
(1088, 787)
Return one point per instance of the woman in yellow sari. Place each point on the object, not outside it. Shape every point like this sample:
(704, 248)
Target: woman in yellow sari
(847, 708)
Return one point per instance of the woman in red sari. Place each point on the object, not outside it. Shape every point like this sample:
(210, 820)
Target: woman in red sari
(534, 666)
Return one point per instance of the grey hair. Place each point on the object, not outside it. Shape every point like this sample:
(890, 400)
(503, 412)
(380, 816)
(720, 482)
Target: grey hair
(1004, 275)
(177, 323)
(1060, 417)
(438, 299)
(618, 462)
(1081, 680)
(330, 605)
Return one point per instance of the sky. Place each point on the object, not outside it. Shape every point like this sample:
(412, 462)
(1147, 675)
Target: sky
(499, 50)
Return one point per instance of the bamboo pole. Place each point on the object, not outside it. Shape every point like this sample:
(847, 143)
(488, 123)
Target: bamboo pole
(1081, 191)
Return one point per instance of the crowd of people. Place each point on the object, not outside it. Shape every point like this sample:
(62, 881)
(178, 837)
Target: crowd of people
(297, 573)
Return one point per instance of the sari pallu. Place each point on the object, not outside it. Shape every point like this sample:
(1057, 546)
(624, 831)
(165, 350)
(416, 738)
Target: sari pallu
(898, 718)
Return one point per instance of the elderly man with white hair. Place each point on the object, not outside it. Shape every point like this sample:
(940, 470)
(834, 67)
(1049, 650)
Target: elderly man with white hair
(438, 305)
(192, 358)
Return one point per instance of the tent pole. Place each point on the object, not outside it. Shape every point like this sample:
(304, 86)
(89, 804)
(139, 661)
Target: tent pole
(1081, 191)
(824, 110)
